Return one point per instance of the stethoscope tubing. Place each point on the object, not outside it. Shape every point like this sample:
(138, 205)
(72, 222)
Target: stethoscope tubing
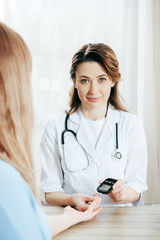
(67, 130)
(62, 140)
(116, 135)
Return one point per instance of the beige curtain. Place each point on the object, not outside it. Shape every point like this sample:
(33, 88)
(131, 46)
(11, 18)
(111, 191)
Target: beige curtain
(151, 97)
(141, 72)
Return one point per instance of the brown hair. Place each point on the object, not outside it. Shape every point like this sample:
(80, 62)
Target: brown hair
(106, 57)
(16, 111)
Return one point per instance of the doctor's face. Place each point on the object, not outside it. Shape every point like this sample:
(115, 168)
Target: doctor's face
(93, 85)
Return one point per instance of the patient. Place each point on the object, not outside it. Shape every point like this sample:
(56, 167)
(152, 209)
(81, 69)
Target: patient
(20, 216)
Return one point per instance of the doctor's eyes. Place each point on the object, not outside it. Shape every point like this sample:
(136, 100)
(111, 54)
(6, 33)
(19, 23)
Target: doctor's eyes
(102, 79)
(85, 81)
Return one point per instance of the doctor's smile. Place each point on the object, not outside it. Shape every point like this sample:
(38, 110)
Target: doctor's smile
(93, 99)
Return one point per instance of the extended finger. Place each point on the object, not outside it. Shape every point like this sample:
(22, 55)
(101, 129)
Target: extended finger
(95, 204)
(118, 184)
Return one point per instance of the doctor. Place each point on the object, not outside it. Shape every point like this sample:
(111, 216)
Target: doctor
(96, 139)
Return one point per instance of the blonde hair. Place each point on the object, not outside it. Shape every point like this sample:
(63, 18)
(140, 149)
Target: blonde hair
(105, 56)
(16, 110)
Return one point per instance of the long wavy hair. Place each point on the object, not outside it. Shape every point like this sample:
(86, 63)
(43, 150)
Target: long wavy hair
(106, 57)
(16, 111)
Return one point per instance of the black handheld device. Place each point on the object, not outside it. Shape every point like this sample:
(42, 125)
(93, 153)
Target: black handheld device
(106, 186)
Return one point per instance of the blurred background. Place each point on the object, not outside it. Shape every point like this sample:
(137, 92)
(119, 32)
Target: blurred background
(55, 29)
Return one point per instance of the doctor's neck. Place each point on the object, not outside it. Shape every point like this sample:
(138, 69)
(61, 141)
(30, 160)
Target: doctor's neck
(94, 114)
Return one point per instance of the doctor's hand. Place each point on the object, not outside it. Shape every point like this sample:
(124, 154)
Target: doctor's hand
(122, 193)
(82, 201)
(119, 194)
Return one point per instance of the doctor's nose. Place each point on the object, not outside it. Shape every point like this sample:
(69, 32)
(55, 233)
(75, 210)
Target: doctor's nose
(93, 88)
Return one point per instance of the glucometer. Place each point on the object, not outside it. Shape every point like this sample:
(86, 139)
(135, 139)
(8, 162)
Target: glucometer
(106, 186)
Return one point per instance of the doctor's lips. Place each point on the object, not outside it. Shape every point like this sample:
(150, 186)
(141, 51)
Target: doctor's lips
(91, 99)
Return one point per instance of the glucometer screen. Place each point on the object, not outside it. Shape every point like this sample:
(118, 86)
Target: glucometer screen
(104, 187)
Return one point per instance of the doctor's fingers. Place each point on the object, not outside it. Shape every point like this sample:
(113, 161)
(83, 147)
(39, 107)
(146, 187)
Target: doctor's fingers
(118, 197)
(80, 198)
(118, 186)
(95, 204)
(82, 206)
(89, 198)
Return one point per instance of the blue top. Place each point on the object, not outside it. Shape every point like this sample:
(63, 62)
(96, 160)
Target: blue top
(20, 217)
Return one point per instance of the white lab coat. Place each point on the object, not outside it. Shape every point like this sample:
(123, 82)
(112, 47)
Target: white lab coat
(132, 167)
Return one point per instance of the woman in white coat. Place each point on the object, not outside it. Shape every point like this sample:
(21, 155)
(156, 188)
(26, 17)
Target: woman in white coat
(79, 148)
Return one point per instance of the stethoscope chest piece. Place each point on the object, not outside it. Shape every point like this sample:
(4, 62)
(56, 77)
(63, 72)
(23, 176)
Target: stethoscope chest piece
(116, 155)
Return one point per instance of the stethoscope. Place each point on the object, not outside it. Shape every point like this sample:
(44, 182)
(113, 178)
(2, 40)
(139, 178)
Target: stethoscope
(66, 130)
(116, 154)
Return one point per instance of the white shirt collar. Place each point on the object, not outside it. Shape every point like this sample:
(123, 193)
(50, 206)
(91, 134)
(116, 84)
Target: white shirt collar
(113, 115)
